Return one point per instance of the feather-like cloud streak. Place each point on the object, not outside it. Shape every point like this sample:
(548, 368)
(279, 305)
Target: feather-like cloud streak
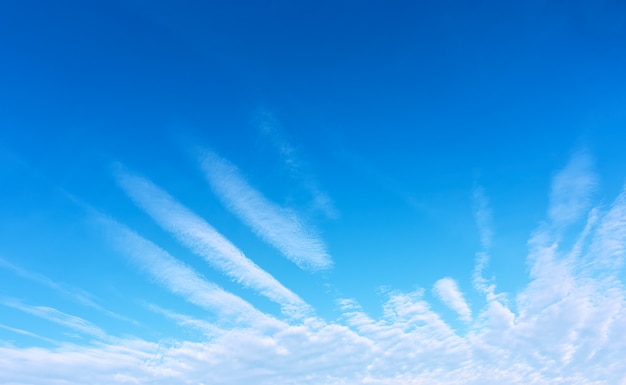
(182, 279)
(448, 291)
(75, 293)
(51, 314)
(280, 227)
(205, 241)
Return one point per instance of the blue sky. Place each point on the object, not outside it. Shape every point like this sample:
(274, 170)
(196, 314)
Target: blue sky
(312, 192)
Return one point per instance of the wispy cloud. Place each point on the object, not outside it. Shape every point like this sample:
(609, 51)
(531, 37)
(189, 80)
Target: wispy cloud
(571, 189)
(270, 127)
(200, 237)
(208, 329)
(77, 294)
(609, 244)
(484, 223)
(180, 278)
(482, 213)
(448, 291)
(384, 179)
(51, 314)
(28, 334)
(280, 227)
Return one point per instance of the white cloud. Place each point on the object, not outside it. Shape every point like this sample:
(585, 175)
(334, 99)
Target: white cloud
(270, 128)
(609, 243)
(484, 223)
(182, 279)
(566, 327)
(280, 227)
(578, 341)
(571, 190)
(482, 213)
(28, 334)
(51, 314)
(205, 241)
(76, 294)
(448, 291)
(208, 329)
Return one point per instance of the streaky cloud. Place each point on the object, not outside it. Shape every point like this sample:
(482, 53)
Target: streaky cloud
(571, 190)
(208, 329)
(448, 291)
(484, 222)
(483, 216)
(77, 294)
(28, 334)
(181, 279)
(574, 302)
(270, 127)
(609, 243)
(205, 241)
(51, 314)
(280, 227)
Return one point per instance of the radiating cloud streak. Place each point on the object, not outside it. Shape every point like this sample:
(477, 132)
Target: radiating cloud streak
(51, 314)
(270, 128)
(208, 329)
(571, 190)
(280, 227)
(482, 213)
(180, 278)
(609, 244)
(484, 223)
(448, 291)
(28, 334)
(75, 293)
(205, 241)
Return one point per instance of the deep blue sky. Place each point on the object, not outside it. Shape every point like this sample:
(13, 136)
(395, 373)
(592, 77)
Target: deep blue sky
(380, 126)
